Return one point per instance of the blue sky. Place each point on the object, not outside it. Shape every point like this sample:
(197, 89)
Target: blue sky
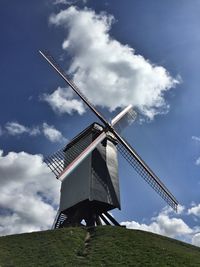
(155, 49)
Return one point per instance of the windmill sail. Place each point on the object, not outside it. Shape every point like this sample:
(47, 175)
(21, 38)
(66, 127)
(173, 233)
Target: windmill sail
(145, 172)
(61, 72)
(81, 157)
(125, 118)
(62, 164)
(124, 148)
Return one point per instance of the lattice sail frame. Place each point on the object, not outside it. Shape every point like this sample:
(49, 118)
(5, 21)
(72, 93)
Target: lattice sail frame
(55, 161)
(60, 160)
(119, 123)
(164, 193)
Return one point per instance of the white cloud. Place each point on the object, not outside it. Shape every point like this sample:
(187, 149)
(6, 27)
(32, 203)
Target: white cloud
(180, 209)
(163, 225)
(68, 2)
(34, 131)
(49, 131)
(197, 162)
(52, 134)
(65, 2)
(29, 192)
(196, 240)
(195, 210)
(15, 128)
(111, 74)
(61, 101)
(196, 138)
(168, 210)
(166, 223)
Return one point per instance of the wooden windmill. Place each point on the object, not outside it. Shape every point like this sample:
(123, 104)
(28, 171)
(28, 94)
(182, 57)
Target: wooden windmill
(88, 168)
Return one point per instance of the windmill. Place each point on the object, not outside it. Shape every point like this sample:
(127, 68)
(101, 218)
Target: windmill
(88, 168)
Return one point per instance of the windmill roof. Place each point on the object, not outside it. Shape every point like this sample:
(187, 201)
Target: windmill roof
(92, 128)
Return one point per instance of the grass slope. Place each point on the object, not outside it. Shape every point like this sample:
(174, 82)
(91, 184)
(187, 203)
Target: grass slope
(103, 246)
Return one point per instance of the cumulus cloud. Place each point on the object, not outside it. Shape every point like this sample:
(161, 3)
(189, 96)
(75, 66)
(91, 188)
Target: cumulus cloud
(65, 2)
(169, 224)
(15, 128)
(196, 240)
(180, 209)
(29, 193)
(163, 225)
(196, 138)
(197, 162)
(195, 210)
(108, 72)
(61, 101)
(168, 210)
(68, 2)
(52, 134)
(49, 131)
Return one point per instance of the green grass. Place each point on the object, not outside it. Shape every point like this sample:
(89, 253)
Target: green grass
(105, 246)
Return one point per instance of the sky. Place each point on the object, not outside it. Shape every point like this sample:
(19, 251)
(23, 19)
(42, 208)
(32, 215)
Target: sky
(139, 52)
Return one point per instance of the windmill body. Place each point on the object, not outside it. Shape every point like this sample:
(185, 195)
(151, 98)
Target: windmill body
(93, 188)
(88, 167)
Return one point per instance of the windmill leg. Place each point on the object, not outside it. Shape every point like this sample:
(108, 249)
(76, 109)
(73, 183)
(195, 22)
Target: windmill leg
(98, 220)
(104, 219)
(111, 219)
(90, 219)
(73, 219)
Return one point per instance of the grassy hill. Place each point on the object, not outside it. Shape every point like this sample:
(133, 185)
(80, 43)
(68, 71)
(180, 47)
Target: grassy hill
(102, 246)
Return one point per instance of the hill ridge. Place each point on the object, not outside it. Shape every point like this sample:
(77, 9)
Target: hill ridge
(99, 246)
